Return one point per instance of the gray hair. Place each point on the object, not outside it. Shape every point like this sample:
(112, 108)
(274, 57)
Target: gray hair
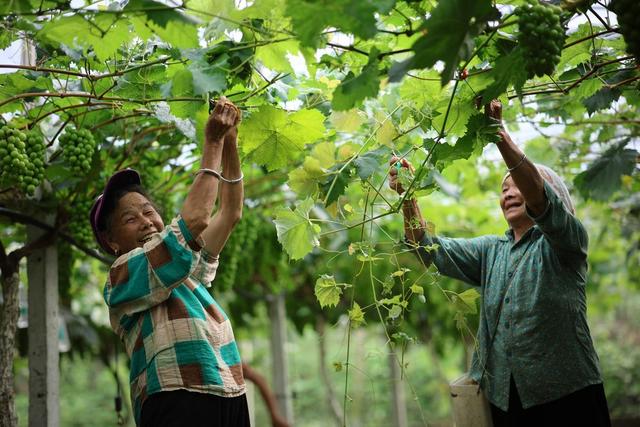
(558, 185)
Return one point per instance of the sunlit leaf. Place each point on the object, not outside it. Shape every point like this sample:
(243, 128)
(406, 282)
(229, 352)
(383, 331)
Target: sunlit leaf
(356, 315)
(327, 291)
(297, 234)
(272, 137)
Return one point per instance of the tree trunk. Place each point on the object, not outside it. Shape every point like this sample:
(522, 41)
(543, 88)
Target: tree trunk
(332, 400)
(8, 324)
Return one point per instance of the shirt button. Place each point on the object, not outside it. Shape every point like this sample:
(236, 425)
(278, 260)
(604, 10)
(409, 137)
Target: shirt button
(510, 273)
(507, 299)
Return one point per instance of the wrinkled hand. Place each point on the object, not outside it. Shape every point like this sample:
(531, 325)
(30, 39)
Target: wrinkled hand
(393, 173)
(224, 116)
(493, 110)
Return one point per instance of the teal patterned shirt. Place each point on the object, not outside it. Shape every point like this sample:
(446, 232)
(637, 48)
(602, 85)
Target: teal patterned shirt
(175, 333)
(542, 337)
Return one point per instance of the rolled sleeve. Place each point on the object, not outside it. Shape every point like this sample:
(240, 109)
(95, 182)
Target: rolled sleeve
(564, 232)
(460, 259)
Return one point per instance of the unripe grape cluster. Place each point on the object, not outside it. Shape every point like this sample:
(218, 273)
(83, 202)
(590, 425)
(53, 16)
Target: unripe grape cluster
(541, 36)
(79, 226)
(78, 146)
(21, 159)
(628, 12)
(36, 150)
(241, 243)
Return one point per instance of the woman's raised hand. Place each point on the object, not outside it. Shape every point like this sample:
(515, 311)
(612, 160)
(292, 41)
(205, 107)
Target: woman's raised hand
(224, 116)
(397, 163)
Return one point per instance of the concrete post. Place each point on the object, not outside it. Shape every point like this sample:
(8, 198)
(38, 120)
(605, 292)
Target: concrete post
(277, 315)
(398, 400)
(44, 374)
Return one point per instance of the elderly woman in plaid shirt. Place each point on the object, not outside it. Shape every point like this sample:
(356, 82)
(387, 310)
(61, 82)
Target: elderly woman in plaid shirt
(185, 365)
(535, 359)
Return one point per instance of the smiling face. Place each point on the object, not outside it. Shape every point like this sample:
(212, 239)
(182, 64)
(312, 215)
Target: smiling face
(512, 204)
(132, 223)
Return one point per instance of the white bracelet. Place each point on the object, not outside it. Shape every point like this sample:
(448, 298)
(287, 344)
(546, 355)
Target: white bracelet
(524, 156)
(220, 177)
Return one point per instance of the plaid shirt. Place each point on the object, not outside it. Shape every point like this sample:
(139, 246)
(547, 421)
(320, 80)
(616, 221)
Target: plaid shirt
(175, 333)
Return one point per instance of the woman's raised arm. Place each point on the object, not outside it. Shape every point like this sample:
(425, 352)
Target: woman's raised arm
(199, 203)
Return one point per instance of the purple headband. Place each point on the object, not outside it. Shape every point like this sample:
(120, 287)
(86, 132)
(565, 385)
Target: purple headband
(120, 179)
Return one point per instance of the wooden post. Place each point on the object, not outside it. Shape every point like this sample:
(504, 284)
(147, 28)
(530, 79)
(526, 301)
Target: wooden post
(44, 374)
(398, 401)
(277, 315)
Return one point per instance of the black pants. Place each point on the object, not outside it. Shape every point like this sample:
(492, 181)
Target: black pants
(584, 408)
(185, 408)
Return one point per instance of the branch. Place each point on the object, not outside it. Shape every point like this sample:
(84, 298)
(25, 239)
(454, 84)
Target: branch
(91, 96)
(349, 48)
(93, 77)
(26, 219)
(591, 36)
(41, 242)
(68, 107)
(138, 113)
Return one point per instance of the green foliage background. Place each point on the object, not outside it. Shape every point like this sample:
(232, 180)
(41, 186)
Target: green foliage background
(329, 91)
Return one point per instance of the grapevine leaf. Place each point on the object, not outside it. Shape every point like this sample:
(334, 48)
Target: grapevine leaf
(465, 302)
(297, 234)
(182, 86)
(169, 24)
(355, 89)
(273, 138)
(327, 291)
(347, 121)
(601, 99)
(603, 177)
(303, 183)
(209, 74)
(508, 70)
(480, 131)
(449, 37)
(105, 34)
(310, 18)
(368, 163)
(334, 190)
(356, 315)
(274, 55)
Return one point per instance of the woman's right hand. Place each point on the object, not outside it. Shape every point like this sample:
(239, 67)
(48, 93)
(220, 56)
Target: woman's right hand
(393, 173)
(224, 116)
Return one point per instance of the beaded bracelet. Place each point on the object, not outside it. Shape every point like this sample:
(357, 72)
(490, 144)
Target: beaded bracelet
(220, 177)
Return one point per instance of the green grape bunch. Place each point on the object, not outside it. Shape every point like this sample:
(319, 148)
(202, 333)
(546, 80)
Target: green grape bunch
(36, 153)
(78, 226)
(628, 13)
(14, 160)
(541, 37)
(78, 146)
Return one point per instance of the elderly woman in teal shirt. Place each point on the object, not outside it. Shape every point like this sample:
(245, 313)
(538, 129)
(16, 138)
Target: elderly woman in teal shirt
(535, 359)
